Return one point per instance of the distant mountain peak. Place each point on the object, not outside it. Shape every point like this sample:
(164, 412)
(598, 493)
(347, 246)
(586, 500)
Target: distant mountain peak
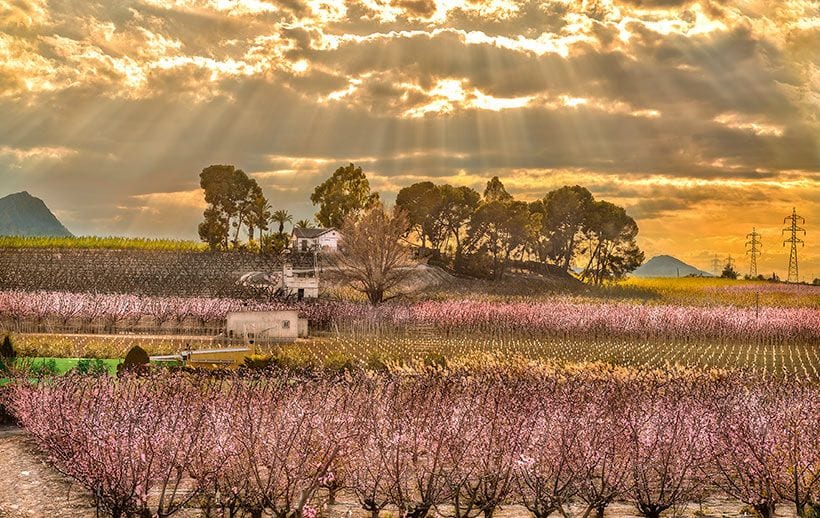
(22, 214)
(667, 266)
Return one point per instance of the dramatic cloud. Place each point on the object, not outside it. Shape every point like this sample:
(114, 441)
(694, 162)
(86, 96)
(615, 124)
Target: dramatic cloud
(702, 117)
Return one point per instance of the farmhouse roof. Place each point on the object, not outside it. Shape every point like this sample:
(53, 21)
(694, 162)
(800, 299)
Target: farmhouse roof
(311, 233)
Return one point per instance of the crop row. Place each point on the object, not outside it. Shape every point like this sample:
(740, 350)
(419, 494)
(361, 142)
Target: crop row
(134, 271)
(559, 318)
(467, 445)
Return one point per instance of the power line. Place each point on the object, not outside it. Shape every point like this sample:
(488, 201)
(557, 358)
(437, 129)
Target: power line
(716, 266)
(753, 244)
(793, 229)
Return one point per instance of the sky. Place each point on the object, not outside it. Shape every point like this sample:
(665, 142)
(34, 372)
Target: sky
(701, 118)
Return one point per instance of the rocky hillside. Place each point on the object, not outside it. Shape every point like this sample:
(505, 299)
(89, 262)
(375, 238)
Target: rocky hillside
(22, 214)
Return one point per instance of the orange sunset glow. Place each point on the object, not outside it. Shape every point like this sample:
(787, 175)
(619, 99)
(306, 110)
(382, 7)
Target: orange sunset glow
(700, 117)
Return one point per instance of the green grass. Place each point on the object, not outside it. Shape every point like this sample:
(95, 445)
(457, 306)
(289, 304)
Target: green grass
(66, 364)
(94, 242)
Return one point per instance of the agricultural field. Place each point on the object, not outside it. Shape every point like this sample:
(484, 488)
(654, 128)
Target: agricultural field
(531, 439)
(649, 382)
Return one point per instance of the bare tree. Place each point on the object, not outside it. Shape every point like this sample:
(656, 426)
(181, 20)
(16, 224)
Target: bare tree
(372, 259)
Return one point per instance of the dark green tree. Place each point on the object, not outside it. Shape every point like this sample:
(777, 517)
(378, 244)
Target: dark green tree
(613, 251)
(258, 213)
(458, 204)
(280, 217)
(421, 202)
(346, 193)
(214, 229)
(563, 212)
(498, 228)
(728, 272)
(232, 197)
(495, 191)
(7, 354)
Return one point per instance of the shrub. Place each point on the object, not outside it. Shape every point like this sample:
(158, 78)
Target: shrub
(339, 362)
(92, 366)
(7, 354)
(435, 360)
(136, 361)
(293, 358)
(43, 369)
(257, 361)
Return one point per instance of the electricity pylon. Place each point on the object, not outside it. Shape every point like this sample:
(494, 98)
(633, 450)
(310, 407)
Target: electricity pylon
(793, 229)
(753, 244)
(716, 265)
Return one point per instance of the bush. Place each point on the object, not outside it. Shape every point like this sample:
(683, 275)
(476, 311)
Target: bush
(339, 362)
(7, 354)
(435, 360)
(377, 361)
(135, 361)
(92, 366)
(257, 361)
(43, 369)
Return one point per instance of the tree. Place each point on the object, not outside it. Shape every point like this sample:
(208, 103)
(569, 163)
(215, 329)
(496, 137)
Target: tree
(422, 203)
(497, 228)
(612, 249)
(214, 229)
(7, 354)
(345, 193)
(303, 223)
(371, 257)
(457, 207)
(564, 212)
(728, 271)
(281, 217)
(258, 214)
(495, 191)
(232, 199)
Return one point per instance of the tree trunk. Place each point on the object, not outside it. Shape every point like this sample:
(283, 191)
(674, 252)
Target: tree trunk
(488, 513)
(766, 510)
(599, 511)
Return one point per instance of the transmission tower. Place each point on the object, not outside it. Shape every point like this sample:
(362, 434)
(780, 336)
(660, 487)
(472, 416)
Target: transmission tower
(793, 229)
(730, 262)
(716, 265)
(753, 244)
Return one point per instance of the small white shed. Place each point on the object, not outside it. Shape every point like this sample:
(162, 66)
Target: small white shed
(266, 326)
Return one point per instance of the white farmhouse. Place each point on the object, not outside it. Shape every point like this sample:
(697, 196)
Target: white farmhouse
(315, 239)
(265, 326)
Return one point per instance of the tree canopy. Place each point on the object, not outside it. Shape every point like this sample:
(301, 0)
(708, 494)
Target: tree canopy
(234, 200)
(346, 193)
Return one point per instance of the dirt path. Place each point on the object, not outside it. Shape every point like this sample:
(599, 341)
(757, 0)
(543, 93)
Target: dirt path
(29, 488)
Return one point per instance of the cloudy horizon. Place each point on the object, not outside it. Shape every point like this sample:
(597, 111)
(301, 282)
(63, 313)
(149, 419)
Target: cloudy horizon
(700, 117)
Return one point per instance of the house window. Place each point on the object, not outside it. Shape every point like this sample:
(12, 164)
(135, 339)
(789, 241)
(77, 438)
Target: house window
(304, 245)
(286, 324)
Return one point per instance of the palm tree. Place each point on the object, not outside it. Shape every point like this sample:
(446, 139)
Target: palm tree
(281, 216)
(303, 223)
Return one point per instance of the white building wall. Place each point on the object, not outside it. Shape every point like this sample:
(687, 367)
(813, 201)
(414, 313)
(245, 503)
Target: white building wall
(262, 326)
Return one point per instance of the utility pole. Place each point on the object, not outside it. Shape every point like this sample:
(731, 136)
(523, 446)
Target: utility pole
(716, 266)
(793, 240)
(753, 244)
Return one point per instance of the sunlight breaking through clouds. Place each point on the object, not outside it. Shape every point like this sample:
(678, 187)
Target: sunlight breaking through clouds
(679, 109)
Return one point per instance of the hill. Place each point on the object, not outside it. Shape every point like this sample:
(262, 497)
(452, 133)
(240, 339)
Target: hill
(667, 266)
(22, 214)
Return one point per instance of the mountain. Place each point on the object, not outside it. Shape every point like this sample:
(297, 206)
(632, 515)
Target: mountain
(667, 266)
(22, 214)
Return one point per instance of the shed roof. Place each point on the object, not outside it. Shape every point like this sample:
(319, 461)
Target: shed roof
(311, 233)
